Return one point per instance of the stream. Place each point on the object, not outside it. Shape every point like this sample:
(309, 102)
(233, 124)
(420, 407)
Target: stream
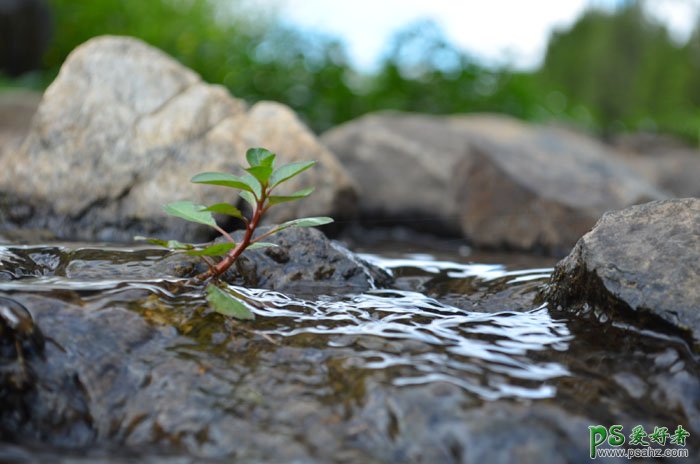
(455, 363)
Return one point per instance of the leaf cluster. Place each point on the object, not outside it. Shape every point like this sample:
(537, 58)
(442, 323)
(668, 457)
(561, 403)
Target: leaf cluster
(256, 187)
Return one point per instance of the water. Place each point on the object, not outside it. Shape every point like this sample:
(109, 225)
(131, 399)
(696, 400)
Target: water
(457, 334)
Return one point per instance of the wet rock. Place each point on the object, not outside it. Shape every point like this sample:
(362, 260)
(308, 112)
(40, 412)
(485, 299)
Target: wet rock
(124, 127)
(20, 342)
(120, 379)
(499, 432)
(505, 183)
(133, 371)
(641, 262)
(304, 262)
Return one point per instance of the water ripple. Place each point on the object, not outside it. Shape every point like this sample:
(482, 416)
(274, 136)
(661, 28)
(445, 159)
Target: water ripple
(487, 354)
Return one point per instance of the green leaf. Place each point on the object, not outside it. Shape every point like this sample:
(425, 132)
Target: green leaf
(262, 173)
(276, 199)
(223, 179)
(225, 208)
(224, 303)
(253, 184)
(218, 249)
(171, 244)
(308, 222)
(260, 157)
(190, 212)
(248, 197)
(258, 245)
(288, 171)
(303, 222)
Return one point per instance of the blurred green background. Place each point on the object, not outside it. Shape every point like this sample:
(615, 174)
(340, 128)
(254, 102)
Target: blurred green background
(613, 71)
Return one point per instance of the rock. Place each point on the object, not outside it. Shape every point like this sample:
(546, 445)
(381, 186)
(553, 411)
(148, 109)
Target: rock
(641, 262)
(124, 127)
(507, 184)
(539, 188)
(130, 381)
(20, 342)
(133, 369)
(304, 262)
(17, 108)
(403, 164)
(647, 143)
(676, 171)
(496, 432)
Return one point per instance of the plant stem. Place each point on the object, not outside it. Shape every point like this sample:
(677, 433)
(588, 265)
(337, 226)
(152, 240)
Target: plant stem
(232, 255)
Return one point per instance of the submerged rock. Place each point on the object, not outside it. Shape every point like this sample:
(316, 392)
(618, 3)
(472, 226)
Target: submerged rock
(135, 369)
(304, 262)
(120, 377)
(21, 341)
(643, 261)
(124, 127)
(505, 183)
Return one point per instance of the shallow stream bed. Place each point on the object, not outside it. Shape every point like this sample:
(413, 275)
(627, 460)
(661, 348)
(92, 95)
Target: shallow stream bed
(455, 363)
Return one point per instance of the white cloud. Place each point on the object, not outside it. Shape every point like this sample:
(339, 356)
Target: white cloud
(680, 15)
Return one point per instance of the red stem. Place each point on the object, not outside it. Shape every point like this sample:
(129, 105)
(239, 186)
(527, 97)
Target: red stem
(223, 265)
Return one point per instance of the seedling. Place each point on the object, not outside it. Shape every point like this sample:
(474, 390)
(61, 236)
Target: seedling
(256, 187)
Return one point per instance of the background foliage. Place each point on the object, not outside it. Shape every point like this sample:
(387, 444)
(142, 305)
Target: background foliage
(610, 72)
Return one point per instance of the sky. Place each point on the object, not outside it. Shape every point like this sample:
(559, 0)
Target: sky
(511, 32)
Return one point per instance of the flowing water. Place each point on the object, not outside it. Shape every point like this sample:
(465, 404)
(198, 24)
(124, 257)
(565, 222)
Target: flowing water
(421, 371)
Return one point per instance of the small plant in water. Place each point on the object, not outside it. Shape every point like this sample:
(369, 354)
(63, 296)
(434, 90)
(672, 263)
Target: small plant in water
(256, 188)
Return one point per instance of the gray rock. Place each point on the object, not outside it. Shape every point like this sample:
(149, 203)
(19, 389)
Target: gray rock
(16, 112)
(643, 261)
(124, 127)
(304, 262)
(403, 165)
(676, 170)
(538, 188)
(507, 184)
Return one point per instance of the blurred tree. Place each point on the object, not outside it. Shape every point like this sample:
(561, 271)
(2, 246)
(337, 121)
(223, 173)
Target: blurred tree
(622, 66)
(255, 58)
(609, 71)
(422, 71)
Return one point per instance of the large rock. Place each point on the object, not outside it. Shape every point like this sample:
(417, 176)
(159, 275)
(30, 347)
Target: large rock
(303, 262)
(123, 128)
(507, 184)
(403, 164)
(16, 112)
(125, 382)
(538, 188)
(641, 261)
